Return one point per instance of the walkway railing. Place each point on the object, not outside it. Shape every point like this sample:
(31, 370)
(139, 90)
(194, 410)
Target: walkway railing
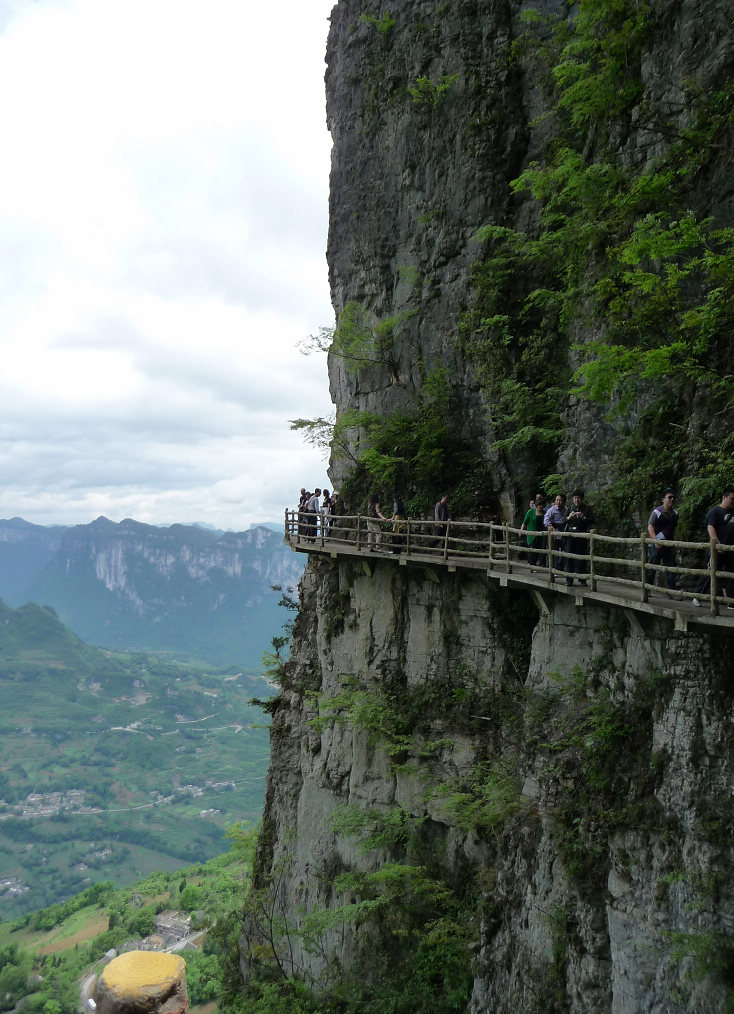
(598, 562)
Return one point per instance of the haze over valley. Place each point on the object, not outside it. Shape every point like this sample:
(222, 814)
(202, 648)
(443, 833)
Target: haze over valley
(195, 592)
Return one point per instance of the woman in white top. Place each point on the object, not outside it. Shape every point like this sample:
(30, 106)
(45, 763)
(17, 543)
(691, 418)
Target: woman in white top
(374, 516)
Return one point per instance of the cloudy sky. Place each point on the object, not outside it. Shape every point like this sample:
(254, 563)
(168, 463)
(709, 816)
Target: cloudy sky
(163, 218)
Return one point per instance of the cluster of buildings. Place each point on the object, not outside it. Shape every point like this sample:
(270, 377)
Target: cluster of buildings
(47, 804)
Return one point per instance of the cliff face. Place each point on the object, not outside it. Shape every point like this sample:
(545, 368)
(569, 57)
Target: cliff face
(434, 111)
(564, 776)
(601, 769)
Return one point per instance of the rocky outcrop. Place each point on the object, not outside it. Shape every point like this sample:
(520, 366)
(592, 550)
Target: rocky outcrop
(142, 982)
(412, 181)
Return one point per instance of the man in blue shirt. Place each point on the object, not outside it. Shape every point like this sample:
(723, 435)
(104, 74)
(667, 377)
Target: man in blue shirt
(661, 526)
(555, 521)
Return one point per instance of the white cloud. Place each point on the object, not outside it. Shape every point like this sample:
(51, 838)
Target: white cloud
(163, 217)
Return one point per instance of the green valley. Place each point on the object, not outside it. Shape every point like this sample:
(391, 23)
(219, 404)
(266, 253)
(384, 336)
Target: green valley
(114, 765)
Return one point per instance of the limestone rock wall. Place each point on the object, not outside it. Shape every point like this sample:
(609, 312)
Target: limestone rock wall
(411, 183)
(625, 932)
(413, 179)
(628, 942)
(390, 630)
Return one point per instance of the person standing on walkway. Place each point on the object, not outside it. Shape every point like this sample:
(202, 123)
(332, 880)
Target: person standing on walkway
(661, 526)
(580, 519)
(720, 526)
(533, 522)
(326, 506)
(399, 517)
(334, 511)
(374, 516)
(302, 508)
(441, 514)
(555, 521)
(313, 509)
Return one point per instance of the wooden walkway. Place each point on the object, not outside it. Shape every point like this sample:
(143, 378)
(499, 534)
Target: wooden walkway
(617, 571)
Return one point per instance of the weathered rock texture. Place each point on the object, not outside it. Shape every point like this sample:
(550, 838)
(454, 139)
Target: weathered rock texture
(605, 885)
(411, 184)
(619, 933)
(141, 982)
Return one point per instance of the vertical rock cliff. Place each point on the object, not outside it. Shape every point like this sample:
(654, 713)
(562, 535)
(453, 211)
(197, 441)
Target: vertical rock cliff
(473, 805)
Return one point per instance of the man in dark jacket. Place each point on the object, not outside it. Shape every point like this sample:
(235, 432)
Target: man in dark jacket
(580, 519)
(720, 526)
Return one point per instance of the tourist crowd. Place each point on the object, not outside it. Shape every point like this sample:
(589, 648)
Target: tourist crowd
(558, 527)
(551, 529)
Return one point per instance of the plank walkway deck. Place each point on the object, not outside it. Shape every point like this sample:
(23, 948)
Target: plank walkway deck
(638, 600)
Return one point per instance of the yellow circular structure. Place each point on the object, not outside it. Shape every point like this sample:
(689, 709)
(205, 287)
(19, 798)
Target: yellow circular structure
(143, 982)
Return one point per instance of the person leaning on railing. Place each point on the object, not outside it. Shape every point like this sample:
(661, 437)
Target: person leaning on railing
(374, 516)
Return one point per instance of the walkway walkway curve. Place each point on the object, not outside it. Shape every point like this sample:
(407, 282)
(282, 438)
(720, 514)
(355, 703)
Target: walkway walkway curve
(617, 570)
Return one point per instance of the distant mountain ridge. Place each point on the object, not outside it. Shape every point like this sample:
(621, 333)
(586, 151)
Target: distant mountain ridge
(186, 589)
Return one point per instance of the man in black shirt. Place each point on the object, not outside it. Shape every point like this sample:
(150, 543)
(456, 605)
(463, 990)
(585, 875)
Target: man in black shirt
(720, 526)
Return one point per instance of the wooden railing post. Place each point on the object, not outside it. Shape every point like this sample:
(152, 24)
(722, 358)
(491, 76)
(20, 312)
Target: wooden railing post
(407, 536)
(507, 548)
(713, 564)
(446, 541)
(549, 546)
(592, 572)
(643, 565)
(358, 520)
(491, 533)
